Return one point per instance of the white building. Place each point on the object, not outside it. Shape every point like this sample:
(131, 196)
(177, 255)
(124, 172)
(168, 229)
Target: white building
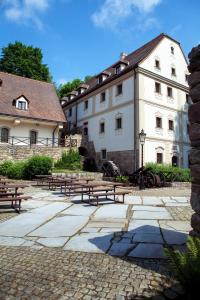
(30, 112)
(146, 89)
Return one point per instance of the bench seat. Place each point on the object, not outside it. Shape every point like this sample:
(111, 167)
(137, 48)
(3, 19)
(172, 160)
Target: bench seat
(96, 196)
(15, 200)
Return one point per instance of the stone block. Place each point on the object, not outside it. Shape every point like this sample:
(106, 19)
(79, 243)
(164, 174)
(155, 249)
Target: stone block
(194, 132)
(195, 197)
(194, 79)
(194, 156)
(195, 222)
(194, 113)
(195, 93)
(195, 172)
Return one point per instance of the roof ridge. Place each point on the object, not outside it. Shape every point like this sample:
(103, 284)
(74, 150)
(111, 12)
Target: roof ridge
(40, 81)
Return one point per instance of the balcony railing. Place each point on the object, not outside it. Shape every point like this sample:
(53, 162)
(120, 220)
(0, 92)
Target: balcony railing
(40, 141)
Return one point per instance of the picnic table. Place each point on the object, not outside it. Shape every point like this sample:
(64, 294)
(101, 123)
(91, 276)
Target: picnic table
(6, 195)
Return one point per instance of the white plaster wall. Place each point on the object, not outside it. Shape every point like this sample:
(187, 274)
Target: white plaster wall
(128, 92)
(100, 106)
(82, 113)
(150, 151)
(163, 53)
(24, 128)
(112, 140)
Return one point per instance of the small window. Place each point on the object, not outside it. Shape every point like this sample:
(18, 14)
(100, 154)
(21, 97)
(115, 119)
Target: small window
(4, 135)
(85, 131)
(171, 125)
(103, 154)
(158, 122)
(21, 105)
(157, 64)
(159, 158)
(172, 50)
(86, 105)
(33, 137)
(118, 69)
(119, 89)
(103, 97)
(118, 123)
(173, 71)
(186, 77)
(102, 127)
(70, 112)
(188, 128)
(157, 87)
(187, 98)
(169, 92)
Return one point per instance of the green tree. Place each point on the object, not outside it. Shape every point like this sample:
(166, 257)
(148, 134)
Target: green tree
(25, 61)
(69, 86)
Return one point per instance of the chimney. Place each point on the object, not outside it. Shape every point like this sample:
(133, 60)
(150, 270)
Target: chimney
(123, 55)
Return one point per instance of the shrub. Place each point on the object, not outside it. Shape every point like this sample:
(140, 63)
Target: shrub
(187, 266)
(174, 172)
(38, 165)
(16, 170)
(70, 160)
(5, 166)
(122, 178)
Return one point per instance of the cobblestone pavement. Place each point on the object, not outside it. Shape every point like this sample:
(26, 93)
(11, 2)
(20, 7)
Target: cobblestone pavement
(66, 250)
(57, 274)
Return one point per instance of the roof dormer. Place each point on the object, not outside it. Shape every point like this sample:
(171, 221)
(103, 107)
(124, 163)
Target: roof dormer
(120, 65)
(103, 76)
(82, 88)
(21, 103)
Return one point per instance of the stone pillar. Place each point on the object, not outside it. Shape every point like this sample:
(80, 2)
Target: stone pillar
(194, 132)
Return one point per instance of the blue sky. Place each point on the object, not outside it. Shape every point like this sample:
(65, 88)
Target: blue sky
(82, 37)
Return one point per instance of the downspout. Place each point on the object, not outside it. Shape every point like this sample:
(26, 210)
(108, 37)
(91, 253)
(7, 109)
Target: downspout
(136, 119)
(76, 114)
(53, 135)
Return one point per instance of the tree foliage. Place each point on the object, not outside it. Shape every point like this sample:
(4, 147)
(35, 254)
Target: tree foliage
(25, 61)
(69, 86)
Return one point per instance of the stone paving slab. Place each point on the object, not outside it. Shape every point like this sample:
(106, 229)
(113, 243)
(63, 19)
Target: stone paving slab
(113, 211)
(175, 232)
(128, 199)
(11, 241)
(80, 210)
(152, 201)
(51, 209)
(144, 226)
(120, 249)
(148, 208)
(61, 227)
(53, 242)
(147, 251)
(32, 204)
(91, 242)
(148, 238)
(152, 215)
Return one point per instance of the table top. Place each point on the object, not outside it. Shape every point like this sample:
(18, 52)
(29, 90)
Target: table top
(14, 186)
(94, 184)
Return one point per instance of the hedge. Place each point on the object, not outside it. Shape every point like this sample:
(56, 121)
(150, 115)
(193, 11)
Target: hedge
(70, 160)
(182, 175)
(36, 165)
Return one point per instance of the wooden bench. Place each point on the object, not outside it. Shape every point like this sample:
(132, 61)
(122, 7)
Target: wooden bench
(94, 196)
(15, 200)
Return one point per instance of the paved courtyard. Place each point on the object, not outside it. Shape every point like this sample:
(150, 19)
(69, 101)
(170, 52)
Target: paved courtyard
(80, 251)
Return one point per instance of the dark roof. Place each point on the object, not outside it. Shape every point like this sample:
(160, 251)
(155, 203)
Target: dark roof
(41, 96)
(133, 59)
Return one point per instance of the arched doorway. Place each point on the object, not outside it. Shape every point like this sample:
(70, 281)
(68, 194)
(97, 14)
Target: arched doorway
(175, 161)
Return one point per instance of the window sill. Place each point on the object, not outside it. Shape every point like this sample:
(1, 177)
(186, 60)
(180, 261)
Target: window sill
(118, 131)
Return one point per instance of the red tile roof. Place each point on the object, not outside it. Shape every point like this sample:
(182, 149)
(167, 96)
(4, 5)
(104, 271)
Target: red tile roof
(133, 60)
(42, 98)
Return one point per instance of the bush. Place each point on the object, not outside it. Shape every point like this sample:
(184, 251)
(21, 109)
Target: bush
(177, 173)
(5, 166)
(122, 178)
(16, 170)
(70, 160)
(187, 266)
(38, 165)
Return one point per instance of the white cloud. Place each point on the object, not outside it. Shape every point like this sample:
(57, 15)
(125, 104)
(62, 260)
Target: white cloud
(62, 81)
(23, 11)
(112, 12)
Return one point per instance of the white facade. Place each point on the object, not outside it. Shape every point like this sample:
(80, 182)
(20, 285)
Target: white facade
(139, 106)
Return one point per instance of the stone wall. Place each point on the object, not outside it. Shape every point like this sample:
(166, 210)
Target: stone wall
(8, 152)
(123, 159)
(194, 132)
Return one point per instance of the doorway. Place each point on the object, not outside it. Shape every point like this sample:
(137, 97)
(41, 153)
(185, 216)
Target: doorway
(175, 161)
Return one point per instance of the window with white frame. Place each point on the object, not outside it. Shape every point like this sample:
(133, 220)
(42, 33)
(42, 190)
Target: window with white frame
(159, 122)
(171, 125)
(102, 127)
(169, 92)
(119, 89)
(4, 137)
(172, 50)
(118, 122)
(157, 64)
(159, 158)
(157, 88)
(21, 103)
(86, 105)
(103, 97)
(173, 71)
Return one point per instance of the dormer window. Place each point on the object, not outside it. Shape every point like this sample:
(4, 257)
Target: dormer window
(21, 103)
(120, 66)
(82, 88)
(118, 69)
(103, 76)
